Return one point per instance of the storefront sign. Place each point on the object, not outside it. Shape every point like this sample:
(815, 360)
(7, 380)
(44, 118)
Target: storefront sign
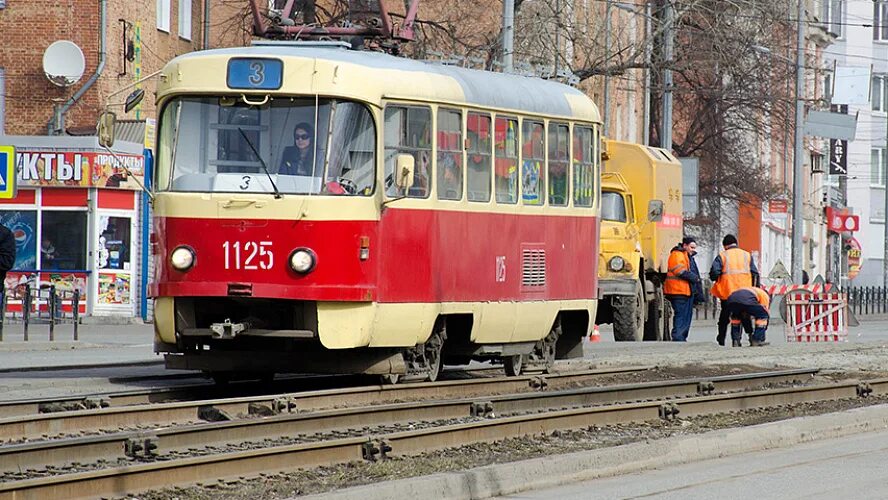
(841, 221)
(79, 169)
(854, 258)
(778, 206)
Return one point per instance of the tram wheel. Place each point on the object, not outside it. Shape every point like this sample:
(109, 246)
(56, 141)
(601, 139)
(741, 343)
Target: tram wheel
(513, 365)
(389, 378)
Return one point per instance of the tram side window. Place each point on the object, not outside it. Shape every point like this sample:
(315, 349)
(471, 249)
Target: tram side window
(559, 149)
(533, 172)
(408, 130)
(584, 152)
(450, 154)
(478, 132)
(506, 160)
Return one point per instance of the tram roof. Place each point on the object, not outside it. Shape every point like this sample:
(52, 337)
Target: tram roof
(480, 88)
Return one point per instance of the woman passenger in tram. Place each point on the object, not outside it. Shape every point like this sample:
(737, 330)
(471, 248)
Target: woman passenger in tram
(298, 159)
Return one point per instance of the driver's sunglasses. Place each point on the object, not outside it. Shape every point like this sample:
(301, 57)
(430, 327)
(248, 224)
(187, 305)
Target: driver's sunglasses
(302, 137)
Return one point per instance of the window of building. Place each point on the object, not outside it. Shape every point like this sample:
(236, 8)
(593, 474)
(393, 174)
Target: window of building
(163, 15)
(479, 161)
(63, 241)
(506, 160)
(450, 154)
(408, 130)
(583, 167)
(827, 88)
(833, 16)
(185, 19)
(880, 20)
(113, 250)
(533, 171)
(559, 151)
(877, 167)
(879, 95)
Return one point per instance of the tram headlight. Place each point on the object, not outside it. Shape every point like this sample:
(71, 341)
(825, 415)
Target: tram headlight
(303, 260)
(616, 263)
(182, 258)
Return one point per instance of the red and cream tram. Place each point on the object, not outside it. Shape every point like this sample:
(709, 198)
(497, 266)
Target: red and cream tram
(324, 210)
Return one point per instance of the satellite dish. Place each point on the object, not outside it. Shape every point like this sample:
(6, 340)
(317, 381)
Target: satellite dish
(63, 63)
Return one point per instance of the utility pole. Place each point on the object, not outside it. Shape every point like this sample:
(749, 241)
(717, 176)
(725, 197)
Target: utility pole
(648, 50)
(607, 41)
(884, 166)
(668, 49)
(798, 222)
(508, 35)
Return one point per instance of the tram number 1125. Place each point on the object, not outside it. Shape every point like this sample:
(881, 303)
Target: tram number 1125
(250, 255)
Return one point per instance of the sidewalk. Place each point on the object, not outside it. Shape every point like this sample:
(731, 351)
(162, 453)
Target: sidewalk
(97, 345)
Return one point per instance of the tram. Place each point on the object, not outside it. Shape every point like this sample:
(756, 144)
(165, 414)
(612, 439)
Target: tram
(319, 209)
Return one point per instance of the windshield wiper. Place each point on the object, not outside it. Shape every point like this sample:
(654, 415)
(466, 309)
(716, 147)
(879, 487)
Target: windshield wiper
(277, 194)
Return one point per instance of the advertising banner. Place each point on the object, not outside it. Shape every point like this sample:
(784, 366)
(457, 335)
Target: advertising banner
(23, 225)
(61, 168)
(114, 288)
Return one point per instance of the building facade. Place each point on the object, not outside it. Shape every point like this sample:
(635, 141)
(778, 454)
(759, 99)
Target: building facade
(862, 41)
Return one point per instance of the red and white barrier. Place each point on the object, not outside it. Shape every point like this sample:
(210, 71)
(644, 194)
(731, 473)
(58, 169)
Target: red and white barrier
(817, 317)
(784, 289)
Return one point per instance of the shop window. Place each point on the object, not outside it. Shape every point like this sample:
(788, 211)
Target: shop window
(113, 251)
(23, 224)
(63, 241)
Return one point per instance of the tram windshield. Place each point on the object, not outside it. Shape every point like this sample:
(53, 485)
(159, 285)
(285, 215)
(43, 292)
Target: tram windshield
(612, 207)
(288, 145)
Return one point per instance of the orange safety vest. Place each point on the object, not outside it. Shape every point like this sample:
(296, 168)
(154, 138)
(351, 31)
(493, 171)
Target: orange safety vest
(678, 263)
(760, 295)
(736, 273)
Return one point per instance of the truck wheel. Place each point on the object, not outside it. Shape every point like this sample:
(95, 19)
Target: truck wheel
(629, 317)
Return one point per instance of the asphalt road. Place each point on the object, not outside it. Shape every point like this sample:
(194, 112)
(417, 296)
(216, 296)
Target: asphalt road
(851, 467)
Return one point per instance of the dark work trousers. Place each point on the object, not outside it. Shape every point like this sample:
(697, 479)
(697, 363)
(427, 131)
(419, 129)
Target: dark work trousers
(747, 311)
(683, 311)
(724, 318)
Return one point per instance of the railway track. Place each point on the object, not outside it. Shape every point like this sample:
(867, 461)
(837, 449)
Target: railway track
(204, 452)
(206, 390)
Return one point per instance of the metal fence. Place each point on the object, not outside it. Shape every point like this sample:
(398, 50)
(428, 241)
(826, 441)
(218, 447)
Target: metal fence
(40, 306)
(867, 300)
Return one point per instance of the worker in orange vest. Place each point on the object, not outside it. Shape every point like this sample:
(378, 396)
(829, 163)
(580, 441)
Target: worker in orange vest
(749, 302)
(731, 270)
(681, 280)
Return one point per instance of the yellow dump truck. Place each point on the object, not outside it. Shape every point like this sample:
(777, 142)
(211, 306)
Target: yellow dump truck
(641, 221)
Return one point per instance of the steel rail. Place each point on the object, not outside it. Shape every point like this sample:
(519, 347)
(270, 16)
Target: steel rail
(138, 478)
(114, 399)
(134, 444)
(52, 424)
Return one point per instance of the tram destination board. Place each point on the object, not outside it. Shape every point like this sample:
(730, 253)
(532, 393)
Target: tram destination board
(255, 74)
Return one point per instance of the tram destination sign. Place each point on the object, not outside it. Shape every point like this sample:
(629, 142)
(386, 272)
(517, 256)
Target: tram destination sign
(255, 74)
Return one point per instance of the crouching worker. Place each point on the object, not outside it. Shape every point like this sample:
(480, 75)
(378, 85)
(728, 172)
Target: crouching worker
(749, 302)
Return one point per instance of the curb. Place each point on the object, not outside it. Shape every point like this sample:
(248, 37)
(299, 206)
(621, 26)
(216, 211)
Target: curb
(538, 473)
